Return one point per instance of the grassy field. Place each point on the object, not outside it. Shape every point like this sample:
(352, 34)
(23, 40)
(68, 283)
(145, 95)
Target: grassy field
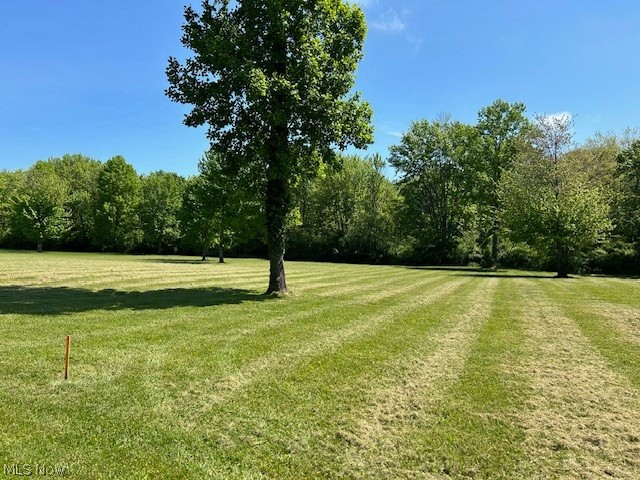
(182, 369)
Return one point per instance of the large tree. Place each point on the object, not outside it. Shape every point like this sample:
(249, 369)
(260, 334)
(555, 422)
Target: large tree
(117, 223)
(80, 173)
(628, 203)
(160, 205)
(40, 213)
(226, 201)
(373, 229)
(433, 160)
(550, 204)
(502, 127)
(332, 200)
(10, 185)
(272, 79)
(197, 224)
(348, 212)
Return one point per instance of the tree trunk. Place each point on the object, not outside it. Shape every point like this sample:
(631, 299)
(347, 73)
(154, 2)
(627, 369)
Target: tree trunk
(277, 280)
(39, 247)
(494, 247)
(204, 254)
(276, 211)
(562, 271)
(278, 193)
(220, 243)
(159, 247)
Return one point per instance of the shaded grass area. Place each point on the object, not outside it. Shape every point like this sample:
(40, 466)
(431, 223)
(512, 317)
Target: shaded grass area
(182, 369)
(64, 300)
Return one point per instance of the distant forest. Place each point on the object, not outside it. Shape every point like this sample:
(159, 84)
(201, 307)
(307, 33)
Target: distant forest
(508, 191)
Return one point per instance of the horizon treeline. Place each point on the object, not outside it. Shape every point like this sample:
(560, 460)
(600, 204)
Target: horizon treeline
(507, 191)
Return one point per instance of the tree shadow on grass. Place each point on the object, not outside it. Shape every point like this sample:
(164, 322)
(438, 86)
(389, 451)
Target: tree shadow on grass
(185, 261)
(486, 272)
(64, 300)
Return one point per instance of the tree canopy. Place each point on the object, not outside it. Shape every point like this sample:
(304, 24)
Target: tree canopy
(502, 129)
(160, 203)
(561, 205)
(40, 204)
(548, 202)
(117, 220)
(628, 205)
(433, 160)
(272, 79)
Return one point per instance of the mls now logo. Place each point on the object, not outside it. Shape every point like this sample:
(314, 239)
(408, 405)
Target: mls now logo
(28, 470)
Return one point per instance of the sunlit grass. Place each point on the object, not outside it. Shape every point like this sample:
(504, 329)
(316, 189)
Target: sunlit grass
(183, 369)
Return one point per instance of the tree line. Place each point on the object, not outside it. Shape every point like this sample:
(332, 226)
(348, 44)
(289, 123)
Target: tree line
(78, 203)
(507, 191)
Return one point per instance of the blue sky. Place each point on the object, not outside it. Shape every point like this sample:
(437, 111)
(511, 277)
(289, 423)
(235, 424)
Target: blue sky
(87, 77)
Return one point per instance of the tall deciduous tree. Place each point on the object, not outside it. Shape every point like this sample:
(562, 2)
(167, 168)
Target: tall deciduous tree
(432, 158)
(628, 204)
(10, 185)
(333, 199)
(502, 127)
(596, 158)
(373, 229)
(228, 203)
(547, 202)
(348, 212)
(39, 206)
(117, 224)
(81, 175)
(160, 204)
(198, 226)
(272, 79)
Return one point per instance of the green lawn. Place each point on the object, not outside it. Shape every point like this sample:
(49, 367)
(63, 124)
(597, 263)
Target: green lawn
(182, 369)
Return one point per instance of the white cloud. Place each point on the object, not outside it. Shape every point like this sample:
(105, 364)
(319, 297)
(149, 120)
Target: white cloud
(559, 117)
(388, 22)
(394, 134)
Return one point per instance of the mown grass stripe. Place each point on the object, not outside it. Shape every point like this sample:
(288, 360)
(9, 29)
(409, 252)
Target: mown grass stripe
(622, 318)
(145, 279)
(316, 339)
(230, 324)
(331, 382)
(613, 343)
(582, 417)
(328, 286)
(469, 430)
(119, 354)
(347, 378)
(394, 419)
(231, 328)
(614, 290)
(106, 391)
